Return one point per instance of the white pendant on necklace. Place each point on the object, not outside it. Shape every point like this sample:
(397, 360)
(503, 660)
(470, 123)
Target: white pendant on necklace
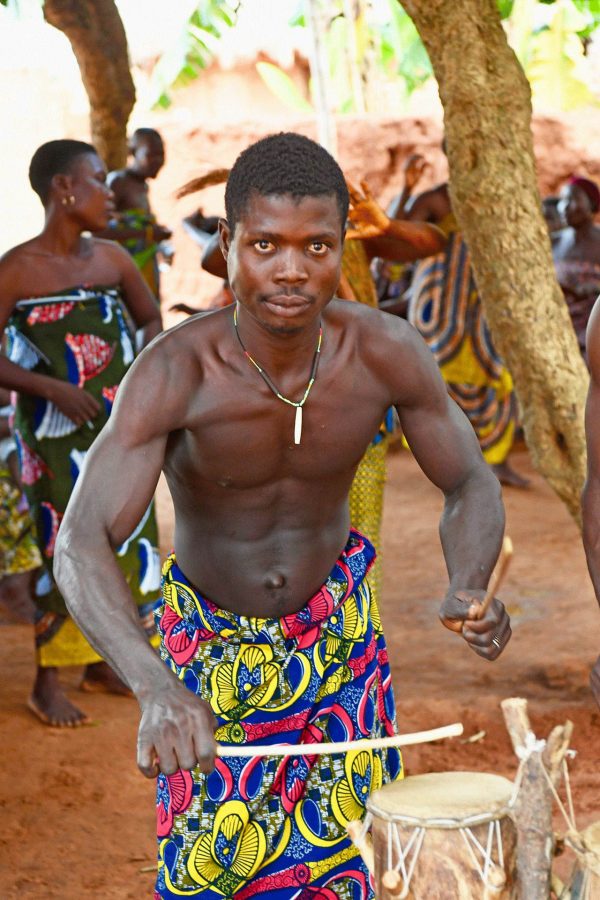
(298, 425)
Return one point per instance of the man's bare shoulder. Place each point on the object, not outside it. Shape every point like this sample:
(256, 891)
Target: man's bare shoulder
(388, 346)
(369, 322)
(158, 393)
(189, 342)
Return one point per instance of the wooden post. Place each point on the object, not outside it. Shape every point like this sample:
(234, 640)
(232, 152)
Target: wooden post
(319, 71)
(351, 15)
(533, 808)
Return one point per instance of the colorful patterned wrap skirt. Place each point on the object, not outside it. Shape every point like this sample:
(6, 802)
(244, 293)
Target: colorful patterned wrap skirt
(446, 308)
(82, 336)
(267, 826)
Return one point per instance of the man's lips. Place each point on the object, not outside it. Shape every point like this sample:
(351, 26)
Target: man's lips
(284, 305)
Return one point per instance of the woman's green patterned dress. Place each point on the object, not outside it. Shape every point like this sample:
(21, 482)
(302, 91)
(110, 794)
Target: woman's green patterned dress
(83, 336)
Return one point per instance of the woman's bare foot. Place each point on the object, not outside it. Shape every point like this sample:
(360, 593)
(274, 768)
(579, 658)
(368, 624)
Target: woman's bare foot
(508, 477)
(100, 678)
(49, 703)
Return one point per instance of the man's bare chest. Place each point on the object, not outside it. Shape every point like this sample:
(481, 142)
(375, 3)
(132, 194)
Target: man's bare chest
(245, 438)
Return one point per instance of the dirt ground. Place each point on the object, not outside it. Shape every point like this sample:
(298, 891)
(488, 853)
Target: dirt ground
(77, 817)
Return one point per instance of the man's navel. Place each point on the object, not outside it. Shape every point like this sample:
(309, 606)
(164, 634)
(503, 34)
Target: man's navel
(275, 581)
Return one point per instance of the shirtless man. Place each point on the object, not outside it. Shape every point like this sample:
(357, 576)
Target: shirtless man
(259, 414)
(135, 226)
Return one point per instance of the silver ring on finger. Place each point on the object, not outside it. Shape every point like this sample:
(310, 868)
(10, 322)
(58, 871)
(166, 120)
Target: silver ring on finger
(496, 642)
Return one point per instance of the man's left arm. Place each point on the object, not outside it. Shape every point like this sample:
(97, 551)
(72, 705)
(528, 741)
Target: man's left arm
(472, 524)
(590, 500)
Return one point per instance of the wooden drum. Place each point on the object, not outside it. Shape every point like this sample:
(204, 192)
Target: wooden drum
(442, 836)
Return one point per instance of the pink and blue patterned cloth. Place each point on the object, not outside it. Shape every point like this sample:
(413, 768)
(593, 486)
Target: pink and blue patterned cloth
(267, 826)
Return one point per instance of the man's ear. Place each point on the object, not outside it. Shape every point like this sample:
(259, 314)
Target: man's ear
(224, 237)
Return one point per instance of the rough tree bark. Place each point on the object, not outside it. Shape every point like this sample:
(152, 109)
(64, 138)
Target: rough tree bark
(487, 115)
(98, 39)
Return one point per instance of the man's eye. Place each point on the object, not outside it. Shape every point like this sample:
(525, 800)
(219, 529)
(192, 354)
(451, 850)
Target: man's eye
(318, 247)
(263, 245)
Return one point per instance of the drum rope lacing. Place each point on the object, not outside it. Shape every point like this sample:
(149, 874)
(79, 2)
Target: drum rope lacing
(482, 865)
(406, 863)
(408, 855)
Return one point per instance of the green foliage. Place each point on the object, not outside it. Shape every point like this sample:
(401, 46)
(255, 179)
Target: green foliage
(402, 50)
(505, 7)
(281, 85)
(551, 50)
(194, 49)
(590, 10)
(548, 36)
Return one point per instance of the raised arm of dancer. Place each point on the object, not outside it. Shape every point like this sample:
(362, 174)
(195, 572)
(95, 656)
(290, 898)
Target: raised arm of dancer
(591, 491)
(392, 239)
(118, 482)
(413, 169)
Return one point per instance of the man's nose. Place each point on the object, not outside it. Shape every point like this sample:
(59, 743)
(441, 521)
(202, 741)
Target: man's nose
(292, 267)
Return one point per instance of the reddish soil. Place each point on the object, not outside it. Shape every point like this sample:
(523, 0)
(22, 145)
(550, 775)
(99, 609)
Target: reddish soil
(77, 817)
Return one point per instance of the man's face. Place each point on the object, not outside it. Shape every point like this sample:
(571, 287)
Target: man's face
(574, 206)
(149, 156)
(94, 200)
(284, 258)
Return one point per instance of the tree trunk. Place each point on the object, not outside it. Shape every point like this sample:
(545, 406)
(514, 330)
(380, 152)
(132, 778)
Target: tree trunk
(487, 114)
(98, 39)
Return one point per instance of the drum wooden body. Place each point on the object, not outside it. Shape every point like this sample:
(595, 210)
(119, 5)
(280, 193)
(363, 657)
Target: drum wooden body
(459, 827)
(586, 879)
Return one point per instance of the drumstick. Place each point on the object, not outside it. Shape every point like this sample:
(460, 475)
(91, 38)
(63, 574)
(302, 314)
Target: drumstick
(363, 843)
(396, 740)
(498, 574)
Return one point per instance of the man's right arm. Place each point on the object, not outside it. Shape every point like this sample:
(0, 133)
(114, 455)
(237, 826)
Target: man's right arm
(591, 492)
(112, 493)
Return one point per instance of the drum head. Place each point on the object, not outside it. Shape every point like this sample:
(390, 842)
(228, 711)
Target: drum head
(591, 841)
(591, 837)
(442, 795)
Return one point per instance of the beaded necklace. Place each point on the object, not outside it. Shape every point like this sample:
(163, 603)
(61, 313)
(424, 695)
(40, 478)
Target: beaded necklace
(313, 374)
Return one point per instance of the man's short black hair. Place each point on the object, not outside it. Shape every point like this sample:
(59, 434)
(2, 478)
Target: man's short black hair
(144, 134)
(54, 158)
(285, 163)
